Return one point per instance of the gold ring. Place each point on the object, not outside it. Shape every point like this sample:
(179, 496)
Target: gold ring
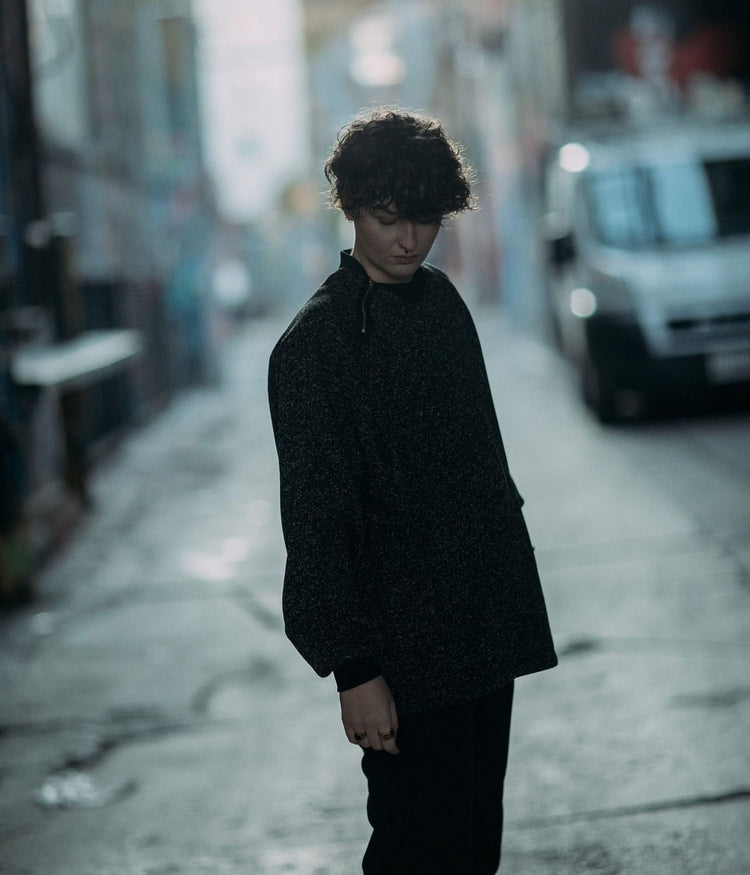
(387, 735)
(360, 736)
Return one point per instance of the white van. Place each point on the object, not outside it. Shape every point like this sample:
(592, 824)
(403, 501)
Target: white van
(649, 262)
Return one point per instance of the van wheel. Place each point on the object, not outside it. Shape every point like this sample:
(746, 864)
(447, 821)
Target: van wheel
(598, 391)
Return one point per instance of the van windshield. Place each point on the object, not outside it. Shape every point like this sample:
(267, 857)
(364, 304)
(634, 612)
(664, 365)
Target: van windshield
(669, 205)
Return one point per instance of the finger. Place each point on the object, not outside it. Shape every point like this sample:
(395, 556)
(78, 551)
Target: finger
(358, 737)
(391, 746)
(387, 739)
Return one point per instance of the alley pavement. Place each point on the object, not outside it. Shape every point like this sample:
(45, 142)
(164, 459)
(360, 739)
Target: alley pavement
(155, 720)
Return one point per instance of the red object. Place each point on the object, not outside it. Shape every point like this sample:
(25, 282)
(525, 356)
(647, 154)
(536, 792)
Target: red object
(713, 48)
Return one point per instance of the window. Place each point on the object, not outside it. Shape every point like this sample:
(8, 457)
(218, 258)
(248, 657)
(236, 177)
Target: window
(670, 205)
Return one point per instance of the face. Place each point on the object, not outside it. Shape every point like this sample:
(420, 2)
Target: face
(390, 247)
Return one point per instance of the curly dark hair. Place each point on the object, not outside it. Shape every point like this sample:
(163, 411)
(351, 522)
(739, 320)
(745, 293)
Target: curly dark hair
(390, 158)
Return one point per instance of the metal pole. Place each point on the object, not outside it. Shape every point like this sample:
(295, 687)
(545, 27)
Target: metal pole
(21, 194)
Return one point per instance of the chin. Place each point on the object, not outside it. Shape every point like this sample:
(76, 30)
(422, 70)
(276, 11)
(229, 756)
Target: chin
(404, 274)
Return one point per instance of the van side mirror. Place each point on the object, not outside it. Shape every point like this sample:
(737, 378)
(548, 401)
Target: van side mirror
(562, 249)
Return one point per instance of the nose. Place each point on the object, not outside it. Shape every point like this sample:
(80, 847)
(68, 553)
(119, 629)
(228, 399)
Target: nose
(408, 238)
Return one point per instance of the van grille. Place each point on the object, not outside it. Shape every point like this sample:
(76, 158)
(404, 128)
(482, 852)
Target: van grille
(705, 324)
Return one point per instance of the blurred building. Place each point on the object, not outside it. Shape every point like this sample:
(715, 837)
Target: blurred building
(107, 220)
(253, 77)
(541, 71)
(417, 55)
(656, 88)
(628, 61)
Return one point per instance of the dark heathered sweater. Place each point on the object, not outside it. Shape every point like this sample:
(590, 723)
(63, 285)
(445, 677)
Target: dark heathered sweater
(407, 552)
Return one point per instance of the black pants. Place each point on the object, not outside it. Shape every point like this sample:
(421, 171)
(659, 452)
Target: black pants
(437, 807)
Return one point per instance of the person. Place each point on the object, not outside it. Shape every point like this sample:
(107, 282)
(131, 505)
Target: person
(410, 575)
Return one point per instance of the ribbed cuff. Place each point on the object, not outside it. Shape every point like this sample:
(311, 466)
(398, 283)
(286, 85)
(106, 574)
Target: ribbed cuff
(354, 672)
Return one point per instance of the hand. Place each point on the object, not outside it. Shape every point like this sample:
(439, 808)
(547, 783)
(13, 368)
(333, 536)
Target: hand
(369, 709)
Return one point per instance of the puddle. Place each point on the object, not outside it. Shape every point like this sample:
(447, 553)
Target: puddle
(43, 623)
(218, 566)
(74, 789)
(234, 694)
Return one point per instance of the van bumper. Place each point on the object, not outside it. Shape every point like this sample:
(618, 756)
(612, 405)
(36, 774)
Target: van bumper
(618, 347)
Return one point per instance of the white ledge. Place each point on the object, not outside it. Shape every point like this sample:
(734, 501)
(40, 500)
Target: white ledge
(74, 364)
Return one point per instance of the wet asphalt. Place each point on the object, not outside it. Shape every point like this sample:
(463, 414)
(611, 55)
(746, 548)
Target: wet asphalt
(155, 720)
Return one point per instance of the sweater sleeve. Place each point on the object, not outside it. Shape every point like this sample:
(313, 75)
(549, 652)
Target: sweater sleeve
(489, 403)
(321, 511)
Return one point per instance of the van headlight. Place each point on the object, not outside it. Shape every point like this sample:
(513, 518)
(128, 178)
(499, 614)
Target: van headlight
(583, 302)
(603, 295)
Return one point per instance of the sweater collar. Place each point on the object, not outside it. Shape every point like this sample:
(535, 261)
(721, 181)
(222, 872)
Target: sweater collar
(410, 291)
